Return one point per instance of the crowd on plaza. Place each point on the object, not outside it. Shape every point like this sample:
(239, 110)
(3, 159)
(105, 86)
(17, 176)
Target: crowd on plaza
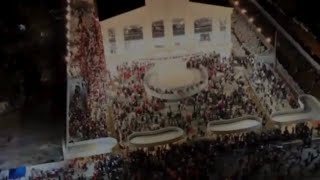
(256, 154)
(272, 89)
(271, 154)
(134, 111)
(140, 112)
(244, 36)
(88, 120)
(81, 127)
(96, 167)
(249, 153)
(276, 94)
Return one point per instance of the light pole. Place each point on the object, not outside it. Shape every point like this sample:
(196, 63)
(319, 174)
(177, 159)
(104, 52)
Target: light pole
(275, 50)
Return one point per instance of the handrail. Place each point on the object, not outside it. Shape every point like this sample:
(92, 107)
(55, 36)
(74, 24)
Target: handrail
(287, 35)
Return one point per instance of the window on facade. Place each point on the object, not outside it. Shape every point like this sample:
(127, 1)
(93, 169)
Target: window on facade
(205, 37)
(158, 29)
(134, 32)
(111, 35)
(178, 26)
(158, 46)
(203, 25)
(223, 24)
(113, 48)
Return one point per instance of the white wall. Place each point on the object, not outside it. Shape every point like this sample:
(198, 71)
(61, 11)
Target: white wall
(167, 10)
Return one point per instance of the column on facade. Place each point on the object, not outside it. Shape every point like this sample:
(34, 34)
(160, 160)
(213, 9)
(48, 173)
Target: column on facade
(119, 39)
(228, 28)
(189, 32)
(147, 34)
(169, 45)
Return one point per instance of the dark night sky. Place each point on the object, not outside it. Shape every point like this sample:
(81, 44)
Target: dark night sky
(304, 11)
(110, 8)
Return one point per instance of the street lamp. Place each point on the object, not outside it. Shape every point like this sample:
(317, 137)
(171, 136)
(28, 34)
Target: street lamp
(268, 40)
(259, 30)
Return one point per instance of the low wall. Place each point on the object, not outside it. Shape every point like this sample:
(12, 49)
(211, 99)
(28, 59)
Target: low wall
(89, 147)
(257, 120)
(149, 140)
(309, 109)
(300, 109)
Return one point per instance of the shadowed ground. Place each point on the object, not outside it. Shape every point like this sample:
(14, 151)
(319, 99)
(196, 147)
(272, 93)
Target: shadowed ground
(27, 138)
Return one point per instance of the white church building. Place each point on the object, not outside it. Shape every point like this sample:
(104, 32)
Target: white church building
(168, 27)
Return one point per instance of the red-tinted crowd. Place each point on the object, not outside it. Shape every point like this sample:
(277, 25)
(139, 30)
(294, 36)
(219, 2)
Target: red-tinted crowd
(134, 111)
(87, 55)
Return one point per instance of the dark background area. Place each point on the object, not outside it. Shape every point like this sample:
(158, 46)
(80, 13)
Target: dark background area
(304, 11)
(110, 8)
(33, 81)
(32, 67)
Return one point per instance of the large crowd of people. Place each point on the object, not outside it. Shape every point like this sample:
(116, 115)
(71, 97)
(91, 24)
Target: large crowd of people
(96, 167)
(253, 154)
(271, 154)
(81, 127)
(86, 47)
(143, 112)
(250, 155)
(268, 85)
(224, 98)
(297, 65)
(276, 94)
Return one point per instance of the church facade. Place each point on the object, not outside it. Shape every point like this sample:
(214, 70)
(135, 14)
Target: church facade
(168, 27)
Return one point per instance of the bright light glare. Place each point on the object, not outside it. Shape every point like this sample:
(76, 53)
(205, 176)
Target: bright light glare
(268, 40)
(259, 29)
(243, 11)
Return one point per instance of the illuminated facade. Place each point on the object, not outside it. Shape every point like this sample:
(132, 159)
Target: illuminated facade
(168, 26)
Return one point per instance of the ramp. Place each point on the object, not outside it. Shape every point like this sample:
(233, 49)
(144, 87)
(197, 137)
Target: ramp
(309, 109)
